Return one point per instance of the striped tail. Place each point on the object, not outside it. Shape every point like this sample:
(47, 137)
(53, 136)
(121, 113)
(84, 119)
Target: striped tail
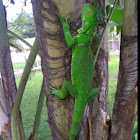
(77, 116)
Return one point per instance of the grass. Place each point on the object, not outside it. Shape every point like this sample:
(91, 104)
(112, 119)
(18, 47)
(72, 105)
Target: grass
(113, 68)
(21, 65)
(32, 91)
(29, 105)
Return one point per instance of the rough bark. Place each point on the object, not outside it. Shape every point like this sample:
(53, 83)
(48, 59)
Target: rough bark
(125, 106)
(99, 109)
(6, 69)
(3, 114)
(100, 106)
(55, 60)
(56, 57)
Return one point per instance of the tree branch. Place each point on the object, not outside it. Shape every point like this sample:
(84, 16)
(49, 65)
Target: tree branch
(15, 112)
(38, 114)
(17, 36)
(104, 32)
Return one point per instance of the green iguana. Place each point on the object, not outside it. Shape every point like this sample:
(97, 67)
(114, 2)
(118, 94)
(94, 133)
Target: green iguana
(82, 65)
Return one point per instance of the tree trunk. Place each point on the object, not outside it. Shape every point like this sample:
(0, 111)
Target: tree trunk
(56, 57)
(6, 68)
(100, 106)
(125, 107)
(56, 60)
(99, 109)
(16, 125)
(3, 114)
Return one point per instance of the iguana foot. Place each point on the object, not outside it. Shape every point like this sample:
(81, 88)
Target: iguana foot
(57, 92)
(67, 88)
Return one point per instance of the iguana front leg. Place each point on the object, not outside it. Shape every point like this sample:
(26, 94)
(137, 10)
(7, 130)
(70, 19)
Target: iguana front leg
(69, 40)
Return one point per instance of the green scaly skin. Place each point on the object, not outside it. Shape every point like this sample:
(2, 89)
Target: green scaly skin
(82, 65)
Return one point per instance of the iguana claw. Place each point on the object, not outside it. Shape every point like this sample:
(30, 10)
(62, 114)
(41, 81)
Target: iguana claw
(63, 22)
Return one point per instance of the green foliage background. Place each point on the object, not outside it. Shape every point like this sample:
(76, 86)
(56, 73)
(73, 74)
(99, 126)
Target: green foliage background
(24, 23)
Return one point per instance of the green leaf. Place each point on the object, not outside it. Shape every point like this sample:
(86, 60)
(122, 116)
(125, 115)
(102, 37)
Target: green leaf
(97, 4)
(136, 136)
(117, 16)
(118, 28)
(112, 29)
(102, 10)
(107, 9)
(112, 24)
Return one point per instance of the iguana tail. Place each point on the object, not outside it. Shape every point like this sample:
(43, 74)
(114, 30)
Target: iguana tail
(77, 116)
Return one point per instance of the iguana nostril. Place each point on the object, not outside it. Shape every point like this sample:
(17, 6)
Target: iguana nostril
(86, 23)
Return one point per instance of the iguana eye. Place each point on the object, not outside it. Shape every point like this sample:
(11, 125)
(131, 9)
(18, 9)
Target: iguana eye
(89, 12)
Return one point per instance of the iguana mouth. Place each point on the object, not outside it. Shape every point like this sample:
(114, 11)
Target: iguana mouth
(81, 30)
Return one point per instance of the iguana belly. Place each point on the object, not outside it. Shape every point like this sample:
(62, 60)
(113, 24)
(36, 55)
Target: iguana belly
(82, 69)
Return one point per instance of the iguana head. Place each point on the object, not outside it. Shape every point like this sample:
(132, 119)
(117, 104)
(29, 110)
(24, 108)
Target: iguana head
(89, 17)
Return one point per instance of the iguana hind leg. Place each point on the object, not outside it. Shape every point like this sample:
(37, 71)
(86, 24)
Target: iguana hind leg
(92, 93)
(66, 89)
